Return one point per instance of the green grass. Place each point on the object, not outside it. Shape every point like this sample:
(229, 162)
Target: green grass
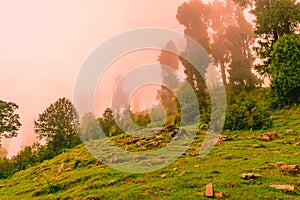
(186, 178)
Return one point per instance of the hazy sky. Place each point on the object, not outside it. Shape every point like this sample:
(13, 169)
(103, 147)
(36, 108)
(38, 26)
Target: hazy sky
(44, 43)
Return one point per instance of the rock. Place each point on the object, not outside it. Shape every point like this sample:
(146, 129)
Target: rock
(264, 138)
(111, 182)
(283, 187)
(246, 158)
(182, 173)
(209, 192)
(154, 144)
(219, 195)
(292, 169)
(68, 169)
(268, 136)
(248, 176)
(280, 164)
(170, 128)
(139, 143)
(163, 175)
(224, 138)
(61, 167)
(290, 131)
(272, 135)
(296, 144)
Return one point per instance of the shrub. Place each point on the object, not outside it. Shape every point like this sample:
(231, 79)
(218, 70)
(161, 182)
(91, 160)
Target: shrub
(247, 114)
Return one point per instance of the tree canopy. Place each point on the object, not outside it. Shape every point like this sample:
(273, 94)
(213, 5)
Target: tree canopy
(9, 120)
(165, 95)
(58, 125)
(223, 31)
(285, 69)
(274, 18)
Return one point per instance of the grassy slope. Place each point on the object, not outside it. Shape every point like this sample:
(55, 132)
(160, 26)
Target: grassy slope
(92, 181)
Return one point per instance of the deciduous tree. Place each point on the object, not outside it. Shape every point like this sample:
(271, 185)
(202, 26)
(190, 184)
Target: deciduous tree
(9, 120)
(58, 125)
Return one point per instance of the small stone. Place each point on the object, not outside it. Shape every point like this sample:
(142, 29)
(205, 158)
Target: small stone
(246, 158)
(68, 169)
(174, 169)
(192, 154)
(139, 143)
(219, 195)
(290, 131)
(268, 136)
(283, 187)
(111, 182)
(280, 164)
(182, 173)
(61, 167)
(248, 176)
(209, 190)
(264, 138)
(163, 175)
(296, 144)
(224, 138)
(272, 135)
(292, 169)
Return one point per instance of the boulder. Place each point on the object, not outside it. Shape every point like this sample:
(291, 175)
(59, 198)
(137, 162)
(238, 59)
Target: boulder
(209, 190)
(284, 187)
(268, 136)
(248, 176)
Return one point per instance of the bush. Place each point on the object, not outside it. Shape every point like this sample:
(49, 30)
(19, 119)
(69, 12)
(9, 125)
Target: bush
(247, 114)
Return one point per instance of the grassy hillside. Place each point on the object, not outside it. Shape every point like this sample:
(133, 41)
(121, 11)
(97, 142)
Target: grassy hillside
(75, 174)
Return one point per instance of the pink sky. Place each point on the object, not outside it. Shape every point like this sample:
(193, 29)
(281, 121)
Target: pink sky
(44, 43)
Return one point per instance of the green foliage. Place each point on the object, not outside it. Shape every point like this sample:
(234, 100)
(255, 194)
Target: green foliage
(169, 78)
(186, 105)
(58, 125)
(9, 120)
(141, 118)
(285, 71)
(107, 121)
(89, 127)
(273, 20)
(247, 114)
